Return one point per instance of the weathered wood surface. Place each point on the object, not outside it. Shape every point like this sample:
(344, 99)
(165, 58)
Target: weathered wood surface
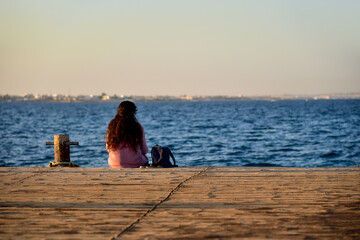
(183, 203)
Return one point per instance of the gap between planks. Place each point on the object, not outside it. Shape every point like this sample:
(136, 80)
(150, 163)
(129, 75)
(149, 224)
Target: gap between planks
(131, 225)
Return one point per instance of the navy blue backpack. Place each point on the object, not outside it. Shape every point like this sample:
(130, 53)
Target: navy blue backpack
(161, 157)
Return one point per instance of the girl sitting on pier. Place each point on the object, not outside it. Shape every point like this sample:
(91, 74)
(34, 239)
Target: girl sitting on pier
(125, 139)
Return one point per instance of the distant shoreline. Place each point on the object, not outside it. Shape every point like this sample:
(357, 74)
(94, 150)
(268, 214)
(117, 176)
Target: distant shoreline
(115, 98)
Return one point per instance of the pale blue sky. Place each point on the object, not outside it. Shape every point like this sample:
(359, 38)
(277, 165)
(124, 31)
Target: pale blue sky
(167, 47)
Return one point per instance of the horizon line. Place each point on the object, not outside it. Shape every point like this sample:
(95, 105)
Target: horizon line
(183, 95)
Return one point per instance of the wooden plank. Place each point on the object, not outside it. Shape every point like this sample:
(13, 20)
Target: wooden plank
(179, 203)
(257, 204)
(78, 203)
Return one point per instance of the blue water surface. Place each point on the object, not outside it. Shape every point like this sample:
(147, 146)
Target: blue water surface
(288, 133)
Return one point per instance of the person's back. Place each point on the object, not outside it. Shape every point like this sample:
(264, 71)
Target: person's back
(125, 139)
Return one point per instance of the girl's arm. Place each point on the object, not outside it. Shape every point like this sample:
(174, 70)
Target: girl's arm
(144, 147)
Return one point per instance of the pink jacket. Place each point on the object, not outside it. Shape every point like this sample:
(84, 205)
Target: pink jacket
(126, 157)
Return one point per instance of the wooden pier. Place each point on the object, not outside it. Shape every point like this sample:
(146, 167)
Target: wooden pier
(180, 203)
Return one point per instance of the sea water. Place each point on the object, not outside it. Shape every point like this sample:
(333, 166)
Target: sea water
(288, 133)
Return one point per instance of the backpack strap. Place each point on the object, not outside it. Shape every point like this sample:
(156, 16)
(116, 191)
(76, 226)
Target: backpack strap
(172, 156)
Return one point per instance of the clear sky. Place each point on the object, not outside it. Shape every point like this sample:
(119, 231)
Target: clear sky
(165, 47)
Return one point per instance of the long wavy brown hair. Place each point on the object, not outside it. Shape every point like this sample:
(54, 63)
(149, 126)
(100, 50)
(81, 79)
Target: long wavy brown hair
(124, 128)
